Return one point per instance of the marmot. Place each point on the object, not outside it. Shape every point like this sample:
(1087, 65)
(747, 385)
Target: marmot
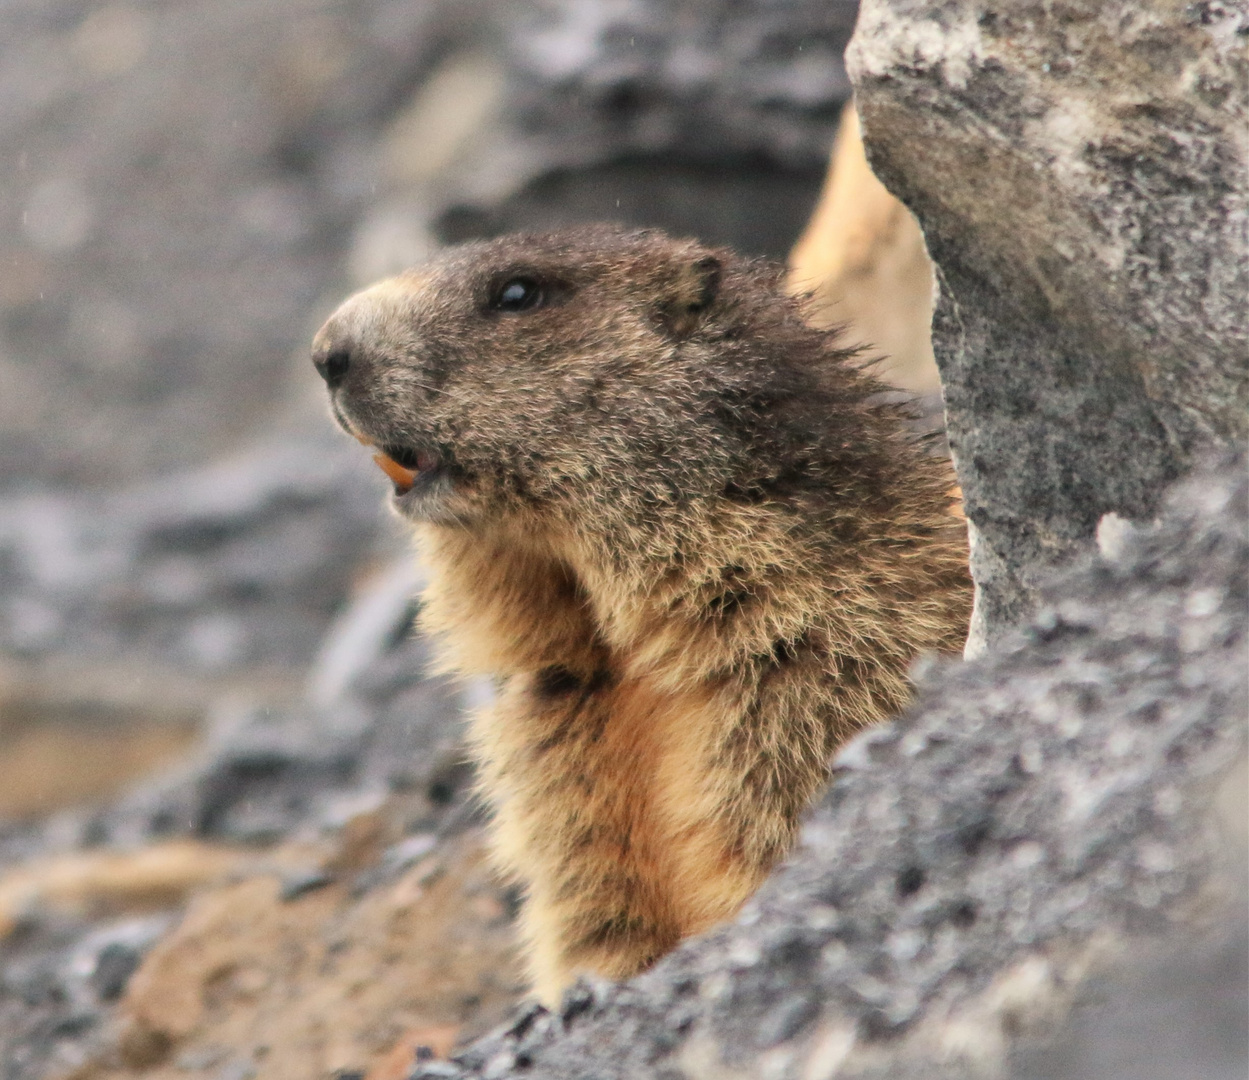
(685, 532)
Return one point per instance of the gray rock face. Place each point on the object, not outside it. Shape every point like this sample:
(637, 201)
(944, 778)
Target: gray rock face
(1079, 174)
(373, 723)
(210, 572)
(1053, 811)
(180, 181)
(374, 734)
(708, 81)
(703, 117)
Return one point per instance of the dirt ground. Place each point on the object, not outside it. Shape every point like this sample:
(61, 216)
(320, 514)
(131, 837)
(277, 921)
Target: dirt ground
(263, 979)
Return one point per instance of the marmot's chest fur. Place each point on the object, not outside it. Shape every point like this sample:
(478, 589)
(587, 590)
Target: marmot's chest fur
(682, 530)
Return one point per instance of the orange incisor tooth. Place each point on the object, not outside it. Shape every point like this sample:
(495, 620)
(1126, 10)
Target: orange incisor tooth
(403, 478)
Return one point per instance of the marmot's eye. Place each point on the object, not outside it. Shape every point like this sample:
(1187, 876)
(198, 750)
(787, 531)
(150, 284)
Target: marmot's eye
(518, 294)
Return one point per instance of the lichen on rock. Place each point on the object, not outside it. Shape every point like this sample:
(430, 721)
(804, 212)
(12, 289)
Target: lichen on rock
(1078, 170)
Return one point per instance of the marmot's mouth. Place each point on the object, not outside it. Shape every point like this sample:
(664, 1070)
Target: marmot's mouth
(405, 465)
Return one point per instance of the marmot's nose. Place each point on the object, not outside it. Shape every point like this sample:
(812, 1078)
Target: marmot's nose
(332, 364)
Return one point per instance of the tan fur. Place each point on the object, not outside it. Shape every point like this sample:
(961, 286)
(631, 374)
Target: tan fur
(863, 258)
(687, 538)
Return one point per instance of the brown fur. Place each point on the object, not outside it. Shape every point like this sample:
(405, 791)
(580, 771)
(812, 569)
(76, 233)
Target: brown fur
(686, 535)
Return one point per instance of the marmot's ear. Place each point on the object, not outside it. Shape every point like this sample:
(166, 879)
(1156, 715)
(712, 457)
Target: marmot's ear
(692, 293)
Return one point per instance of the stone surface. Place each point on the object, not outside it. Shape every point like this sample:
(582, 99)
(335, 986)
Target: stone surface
(370, 723)
(345, 790)
(1078, 170)
(181, 182)
(703, 117)
(395, 939)
(133, 620)
(234, 567)
(323, 983)
(1047, 825)
(708, 80)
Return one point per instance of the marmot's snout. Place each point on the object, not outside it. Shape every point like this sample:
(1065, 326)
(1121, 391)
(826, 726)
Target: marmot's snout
(350, 354)
(338, 356)
(345, 351)
(360, 352)
(332, 363)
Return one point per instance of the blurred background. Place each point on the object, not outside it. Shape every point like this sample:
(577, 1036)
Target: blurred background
(205, 614)
(190, 187)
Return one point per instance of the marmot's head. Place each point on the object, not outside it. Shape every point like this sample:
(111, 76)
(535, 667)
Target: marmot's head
(530, 370)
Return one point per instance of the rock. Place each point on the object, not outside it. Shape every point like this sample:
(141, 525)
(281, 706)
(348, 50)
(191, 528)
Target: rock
(233, 568)
(61, 748)
(94, 883)
(373, 724)
(169, 248)
(56, 999)
(711, 119)
(1174, 1011)
(649, 76)
(1045, 825)
(328, 982)
(370, 764)
(1079, 176)
(113, 967)
(132, 620)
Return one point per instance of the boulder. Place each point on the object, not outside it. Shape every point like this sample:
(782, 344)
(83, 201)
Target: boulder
(704, 117)
(356, 796)
(180, 187)
(235, 567)
(1078, 171)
